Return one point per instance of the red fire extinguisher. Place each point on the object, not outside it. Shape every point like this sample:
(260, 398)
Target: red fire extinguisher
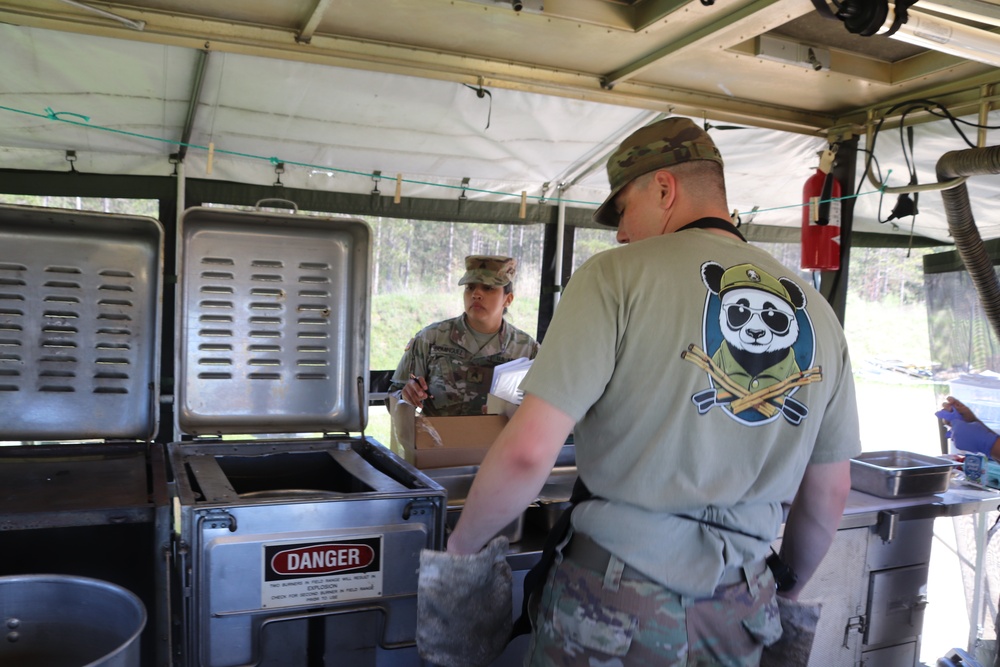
(821, 218)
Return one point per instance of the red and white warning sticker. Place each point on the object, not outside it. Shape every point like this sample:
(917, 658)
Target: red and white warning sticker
(316, 573)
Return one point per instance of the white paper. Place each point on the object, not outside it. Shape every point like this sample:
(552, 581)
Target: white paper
(507, 380)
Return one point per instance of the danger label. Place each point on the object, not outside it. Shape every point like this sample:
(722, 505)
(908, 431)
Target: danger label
(318, 573)
(323, 559)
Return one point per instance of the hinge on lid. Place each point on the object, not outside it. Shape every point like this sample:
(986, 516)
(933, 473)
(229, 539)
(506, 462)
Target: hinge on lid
(217, 518)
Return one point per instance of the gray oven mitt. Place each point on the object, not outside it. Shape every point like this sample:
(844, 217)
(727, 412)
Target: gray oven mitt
(464, 606)
(798, 629)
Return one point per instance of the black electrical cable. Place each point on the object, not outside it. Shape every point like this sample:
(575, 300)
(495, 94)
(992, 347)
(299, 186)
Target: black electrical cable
(911, 169)
(954, 120)
(929, 106)
(824, 9)
(878, 177)
(481, 93)
(905, 206)
(863, 17)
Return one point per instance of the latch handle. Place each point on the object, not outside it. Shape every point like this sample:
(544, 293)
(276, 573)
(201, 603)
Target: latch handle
(218, 519)
(888, 523)
(292, 205)
(858, 623)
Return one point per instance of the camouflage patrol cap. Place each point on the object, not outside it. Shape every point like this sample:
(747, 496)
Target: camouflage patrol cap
(489, 270)
(663, 144)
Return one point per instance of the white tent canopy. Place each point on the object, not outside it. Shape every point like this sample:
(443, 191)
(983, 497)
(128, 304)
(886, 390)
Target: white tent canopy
(123, 107)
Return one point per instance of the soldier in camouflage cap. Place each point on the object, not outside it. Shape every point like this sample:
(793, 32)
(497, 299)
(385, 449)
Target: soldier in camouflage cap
(663, 144)
(447, 368)
(489, 270)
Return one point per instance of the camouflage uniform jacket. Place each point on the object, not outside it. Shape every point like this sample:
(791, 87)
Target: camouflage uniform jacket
(458, 372)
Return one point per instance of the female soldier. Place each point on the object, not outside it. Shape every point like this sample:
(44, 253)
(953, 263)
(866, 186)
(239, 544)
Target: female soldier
(448, 366)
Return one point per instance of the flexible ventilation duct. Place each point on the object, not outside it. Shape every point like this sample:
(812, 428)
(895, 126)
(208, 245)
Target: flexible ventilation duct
(972, 162)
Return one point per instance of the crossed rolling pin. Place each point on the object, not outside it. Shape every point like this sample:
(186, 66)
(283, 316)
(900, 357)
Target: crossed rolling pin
(767, 401)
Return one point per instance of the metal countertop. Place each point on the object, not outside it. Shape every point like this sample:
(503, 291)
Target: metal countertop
(961, 498)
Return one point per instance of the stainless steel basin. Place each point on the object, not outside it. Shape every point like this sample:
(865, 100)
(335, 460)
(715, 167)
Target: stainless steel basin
(553, 498)
(900, 474)
(457, 482)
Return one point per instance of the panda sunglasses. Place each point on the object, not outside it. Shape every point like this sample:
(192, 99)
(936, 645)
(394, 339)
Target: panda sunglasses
(738, 314)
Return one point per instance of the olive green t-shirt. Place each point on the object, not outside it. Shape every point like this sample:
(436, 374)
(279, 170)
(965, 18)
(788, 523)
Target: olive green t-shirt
(704, 376)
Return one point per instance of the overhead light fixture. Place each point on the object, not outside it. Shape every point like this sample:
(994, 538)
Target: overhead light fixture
(957, 39)
(902, 22)
(972, 10)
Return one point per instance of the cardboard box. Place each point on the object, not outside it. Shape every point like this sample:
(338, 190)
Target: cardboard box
(441, 442)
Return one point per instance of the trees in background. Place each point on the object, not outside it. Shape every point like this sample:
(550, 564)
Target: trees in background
(427, 256)
(416, 255)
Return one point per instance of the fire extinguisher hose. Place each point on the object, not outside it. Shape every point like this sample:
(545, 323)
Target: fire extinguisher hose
(823, 214)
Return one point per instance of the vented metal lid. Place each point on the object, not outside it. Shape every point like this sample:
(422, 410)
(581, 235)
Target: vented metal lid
(80, 297)
(273, 323)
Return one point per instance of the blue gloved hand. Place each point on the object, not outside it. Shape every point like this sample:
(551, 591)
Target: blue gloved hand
(968, 436)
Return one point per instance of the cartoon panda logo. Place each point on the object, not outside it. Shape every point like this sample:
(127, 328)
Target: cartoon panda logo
(761, 337)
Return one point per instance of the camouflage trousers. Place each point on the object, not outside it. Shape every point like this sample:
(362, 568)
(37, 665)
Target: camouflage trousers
(588, 618)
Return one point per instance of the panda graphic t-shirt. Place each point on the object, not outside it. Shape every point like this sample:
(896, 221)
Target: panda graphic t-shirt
(704, 376)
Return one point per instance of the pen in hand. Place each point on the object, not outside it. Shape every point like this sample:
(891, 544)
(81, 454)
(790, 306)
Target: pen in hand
(420, 392)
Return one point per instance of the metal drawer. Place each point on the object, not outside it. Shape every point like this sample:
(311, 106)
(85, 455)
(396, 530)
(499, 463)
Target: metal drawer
(896, 603)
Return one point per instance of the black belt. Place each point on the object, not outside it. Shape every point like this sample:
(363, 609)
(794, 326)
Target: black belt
(587, 553)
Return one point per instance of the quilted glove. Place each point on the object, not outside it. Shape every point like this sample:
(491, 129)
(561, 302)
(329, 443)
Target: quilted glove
(968, 436)
(464, 606)
(798, 629)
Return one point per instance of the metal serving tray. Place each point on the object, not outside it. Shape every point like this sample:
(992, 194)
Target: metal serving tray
(900, 474)
(273, 322)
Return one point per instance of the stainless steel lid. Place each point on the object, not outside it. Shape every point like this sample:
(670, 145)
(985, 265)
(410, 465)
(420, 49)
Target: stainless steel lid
(273, 323)
(80, 297)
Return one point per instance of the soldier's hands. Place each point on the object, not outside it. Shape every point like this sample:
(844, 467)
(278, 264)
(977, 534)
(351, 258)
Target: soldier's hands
(952, 403)
(415, 391)
(969, 436)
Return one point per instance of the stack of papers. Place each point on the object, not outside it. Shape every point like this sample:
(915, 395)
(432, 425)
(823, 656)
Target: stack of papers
(507, 378)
